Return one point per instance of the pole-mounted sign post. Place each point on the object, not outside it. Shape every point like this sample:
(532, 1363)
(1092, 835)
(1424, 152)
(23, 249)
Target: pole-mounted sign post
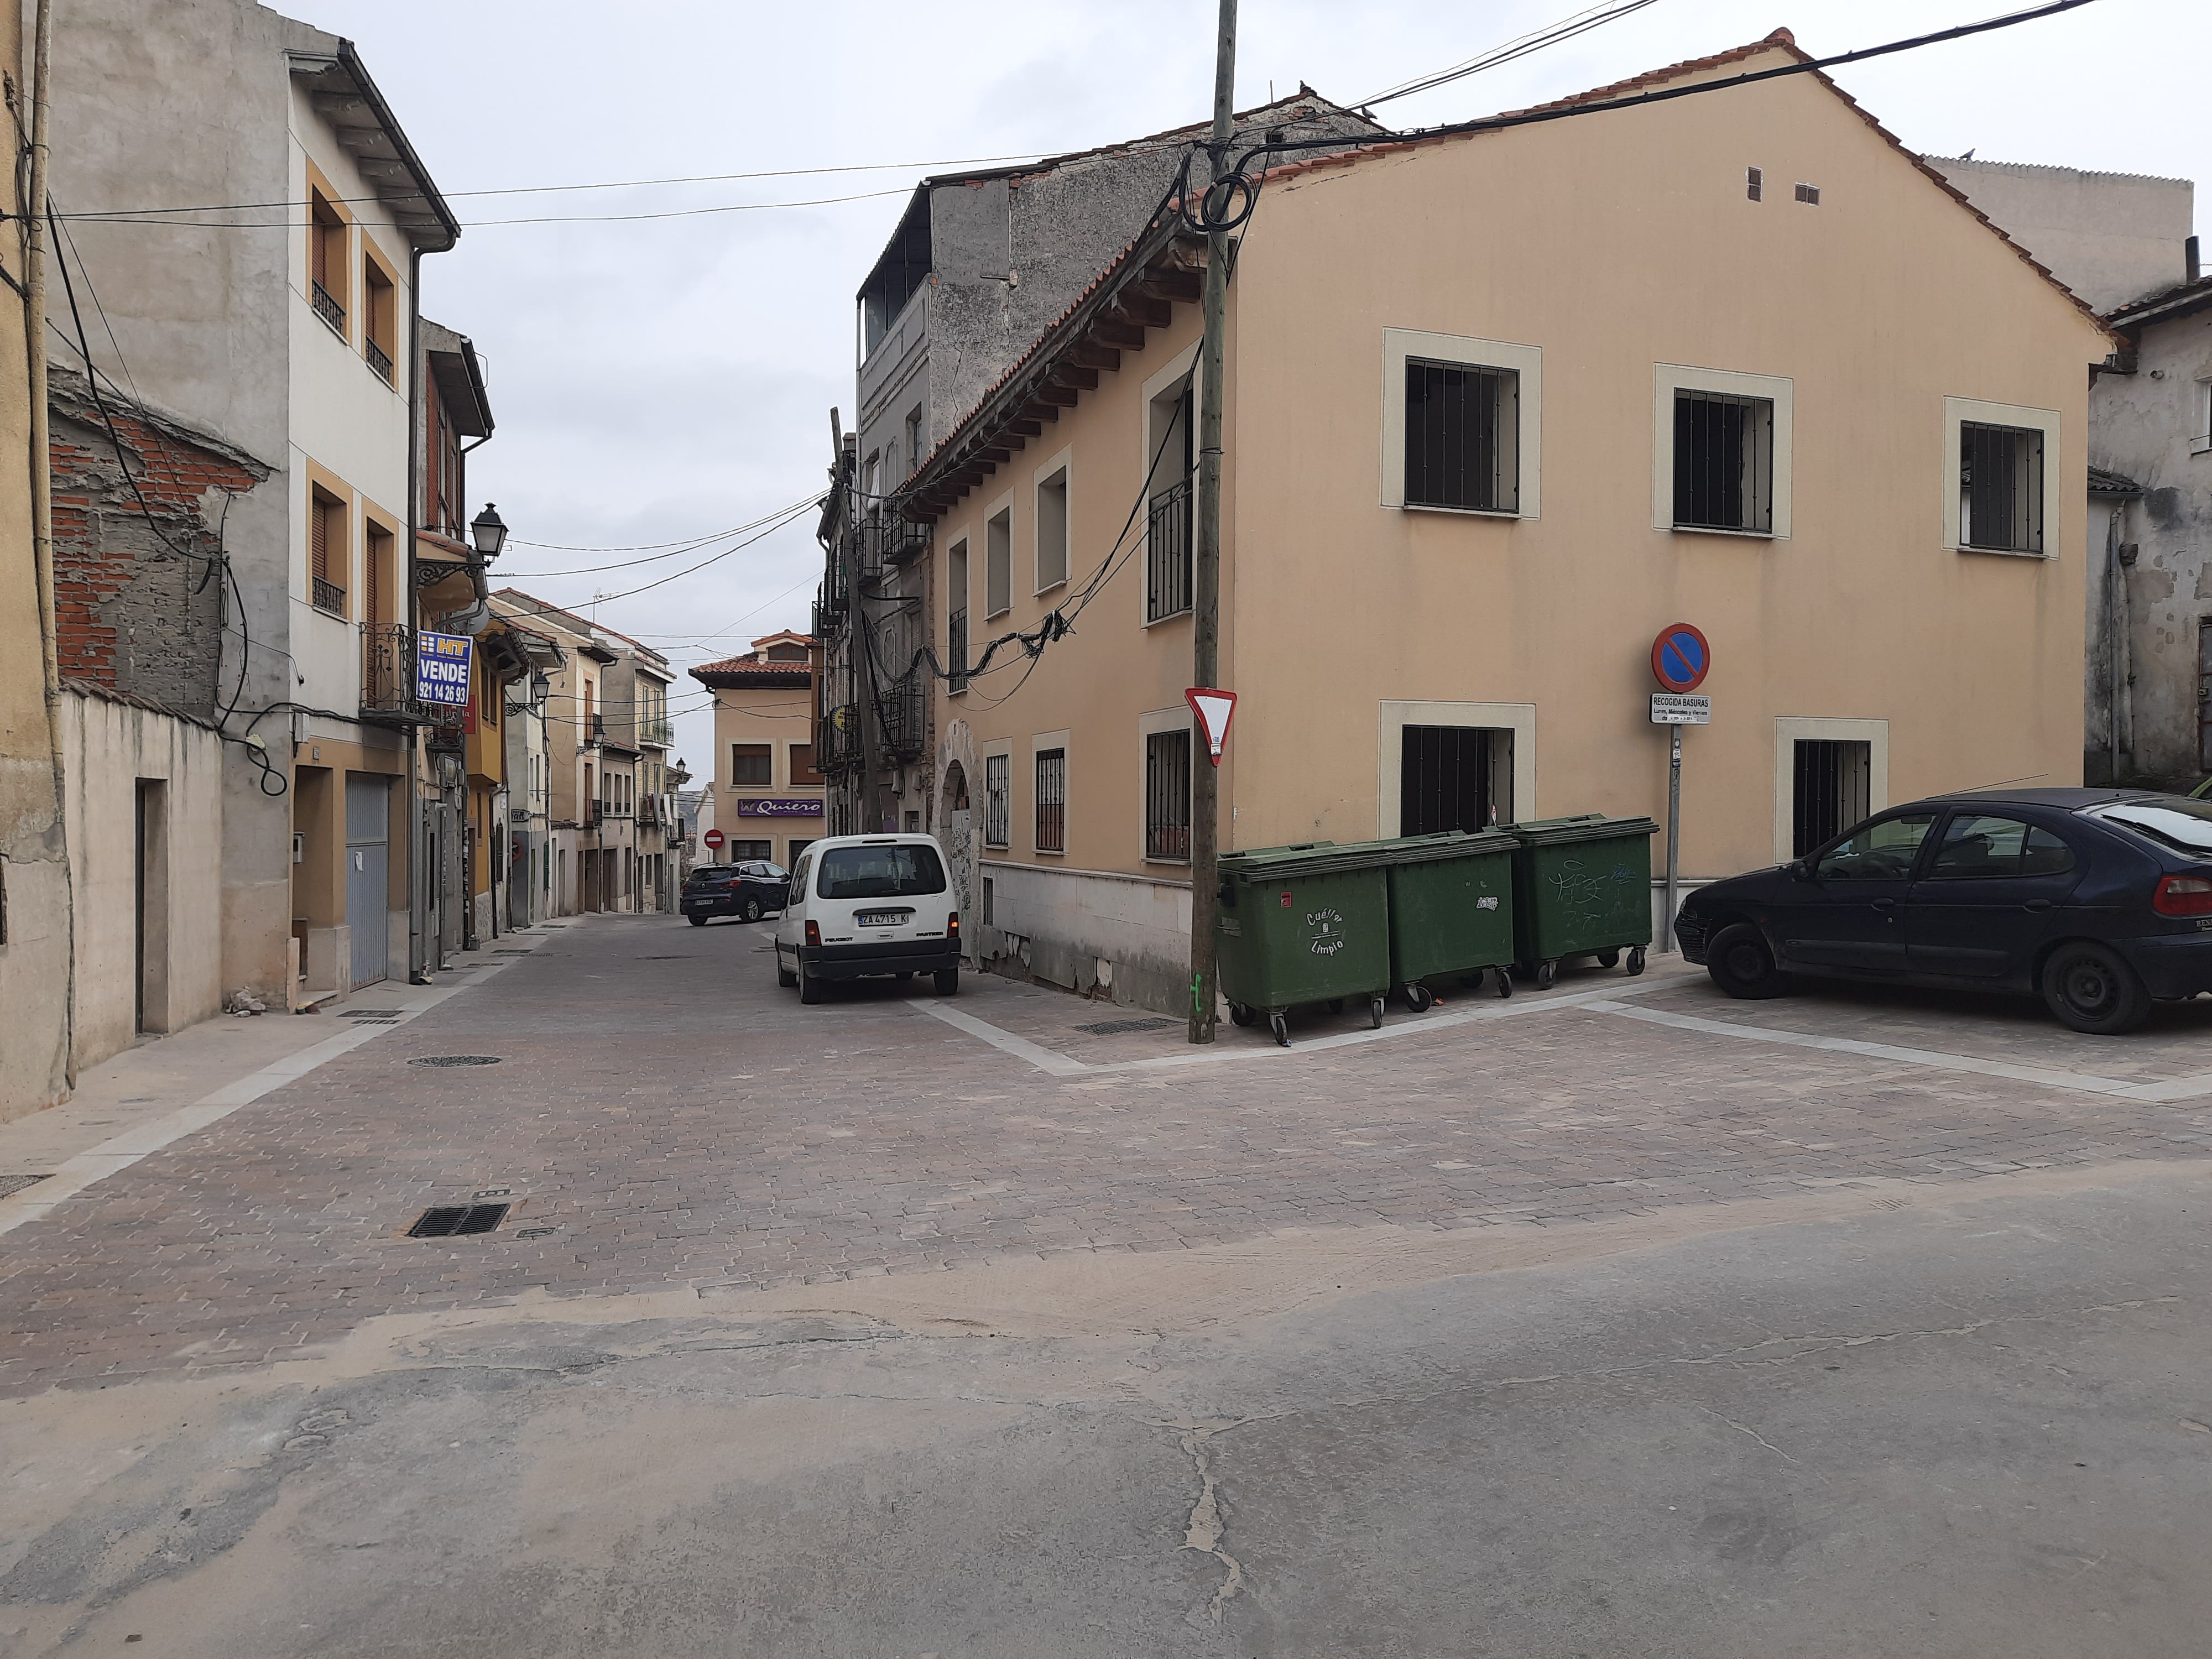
(1215, 708)
(1679, 659)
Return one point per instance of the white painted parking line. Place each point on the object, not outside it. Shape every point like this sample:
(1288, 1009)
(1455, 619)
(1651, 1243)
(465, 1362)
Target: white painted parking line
(1055, 1064)
(74, 1174)
(2186, 1088)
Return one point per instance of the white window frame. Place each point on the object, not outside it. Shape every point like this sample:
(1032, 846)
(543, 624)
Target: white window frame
(1956, 412)
(1062, 466)
(1527, 364)
(1038, 745)
(1151, 721)
(1004, 505)
(1790, 730)
(997, 746)
(1518, 718)
(1779, 390)
(1184, 362)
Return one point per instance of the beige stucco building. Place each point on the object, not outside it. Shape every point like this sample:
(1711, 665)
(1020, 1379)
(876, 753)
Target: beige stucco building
(768, 794)
(1498, 408)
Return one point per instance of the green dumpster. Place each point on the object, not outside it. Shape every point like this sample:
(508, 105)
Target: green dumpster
(1302, 924)
(1582, 886)
(1451, 908)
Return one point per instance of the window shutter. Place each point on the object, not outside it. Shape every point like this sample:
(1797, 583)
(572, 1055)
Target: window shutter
(319, 539)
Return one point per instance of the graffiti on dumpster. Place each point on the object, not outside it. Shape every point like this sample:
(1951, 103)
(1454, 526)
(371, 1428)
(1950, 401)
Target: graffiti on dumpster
(1590, 897)
(1487, 902)
(1324, 931)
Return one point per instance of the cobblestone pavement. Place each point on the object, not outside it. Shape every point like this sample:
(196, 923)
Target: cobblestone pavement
(662, 1115)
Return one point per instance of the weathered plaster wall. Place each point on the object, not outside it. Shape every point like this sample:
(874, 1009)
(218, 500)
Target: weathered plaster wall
(113, 748)
(2146, 425)
(2111, 237)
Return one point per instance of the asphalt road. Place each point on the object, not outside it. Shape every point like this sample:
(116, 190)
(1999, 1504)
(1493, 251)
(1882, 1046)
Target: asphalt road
(1876, 1415)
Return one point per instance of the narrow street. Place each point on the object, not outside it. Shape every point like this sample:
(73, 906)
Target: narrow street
(1616, 1318)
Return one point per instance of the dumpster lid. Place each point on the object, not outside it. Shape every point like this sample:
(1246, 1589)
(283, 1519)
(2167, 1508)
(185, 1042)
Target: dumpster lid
(1306, 858)
(1583, 826)
(1443, 844)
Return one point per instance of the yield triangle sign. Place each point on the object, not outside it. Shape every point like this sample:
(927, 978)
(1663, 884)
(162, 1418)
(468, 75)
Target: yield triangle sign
(1214, 710)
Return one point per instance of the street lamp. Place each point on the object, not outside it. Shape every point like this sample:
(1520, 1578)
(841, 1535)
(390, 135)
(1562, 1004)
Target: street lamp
(489, 530)
(541, 687)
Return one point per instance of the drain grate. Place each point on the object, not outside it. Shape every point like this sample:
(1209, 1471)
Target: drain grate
(1115, 1027)
(512, 953)
(535, 1232)
(17, 1183)
(369, 1013)
(376, 1022)
(457, 1220)
(457, 1060)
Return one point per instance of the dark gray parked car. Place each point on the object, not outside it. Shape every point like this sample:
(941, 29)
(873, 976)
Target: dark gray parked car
(2099, 900)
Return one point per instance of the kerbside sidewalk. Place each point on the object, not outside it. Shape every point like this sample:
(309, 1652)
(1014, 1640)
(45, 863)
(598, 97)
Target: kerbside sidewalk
(139, 1101)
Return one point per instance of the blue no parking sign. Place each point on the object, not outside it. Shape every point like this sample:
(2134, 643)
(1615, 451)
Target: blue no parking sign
(1680, 657)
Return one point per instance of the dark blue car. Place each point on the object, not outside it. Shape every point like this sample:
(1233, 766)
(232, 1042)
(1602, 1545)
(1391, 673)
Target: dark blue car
(2099, 900)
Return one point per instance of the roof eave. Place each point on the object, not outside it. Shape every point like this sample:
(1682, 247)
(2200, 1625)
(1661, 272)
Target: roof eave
(420, 212)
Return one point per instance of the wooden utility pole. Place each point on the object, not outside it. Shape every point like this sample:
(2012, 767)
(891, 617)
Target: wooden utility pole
(1205, 554)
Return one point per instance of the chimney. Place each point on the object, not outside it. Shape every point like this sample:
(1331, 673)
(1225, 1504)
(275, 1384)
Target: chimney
(2191, 267)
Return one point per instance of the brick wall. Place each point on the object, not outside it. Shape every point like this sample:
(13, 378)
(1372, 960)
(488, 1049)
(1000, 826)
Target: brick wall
(136, 607)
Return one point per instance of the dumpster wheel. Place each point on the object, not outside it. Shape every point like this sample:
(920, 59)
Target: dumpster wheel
(1608, 958)
(1375, 1010)
(1504, 983)
(1420, 998)
(1242, 1013)
(1636, 959)
(1281, 1028)
(1547, 973)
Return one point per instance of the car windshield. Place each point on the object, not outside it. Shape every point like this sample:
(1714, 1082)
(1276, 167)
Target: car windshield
(898, 870)
(2175, 821)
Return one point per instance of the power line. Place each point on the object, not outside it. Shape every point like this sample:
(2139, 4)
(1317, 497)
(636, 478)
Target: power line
(611, 184)
(677, 549)
(145, 216)
(1519, 46)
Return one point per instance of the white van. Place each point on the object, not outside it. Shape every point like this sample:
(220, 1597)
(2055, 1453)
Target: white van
(865, 905)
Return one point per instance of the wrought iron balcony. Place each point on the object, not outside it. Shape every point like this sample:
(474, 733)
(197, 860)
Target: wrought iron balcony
(905, 711)
(884, 539)
(329, 597)
(387, 673)
(379, 360)
(328, 308)
(659, 733)
(837, 740)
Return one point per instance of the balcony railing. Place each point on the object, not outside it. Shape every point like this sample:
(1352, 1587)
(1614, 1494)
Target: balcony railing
(379, 360)
(659, 733)
(328, 308)
(388, 671)
(905, 713)
(884, 539)
(837, 740)
(1167, 554)
(329, 597)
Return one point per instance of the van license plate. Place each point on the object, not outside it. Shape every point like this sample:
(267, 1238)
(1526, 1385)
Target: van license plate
(882, 918)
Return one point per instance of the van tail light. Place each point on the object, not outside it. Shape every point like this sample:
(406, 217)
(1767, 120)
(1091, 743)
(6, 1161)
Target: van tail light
(952, 925)
(813, 935)
(2183, 896)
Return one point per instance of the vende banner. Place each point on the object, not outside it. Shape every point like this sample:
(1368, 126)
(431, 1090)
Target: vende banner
(779, 809)
(441, 668)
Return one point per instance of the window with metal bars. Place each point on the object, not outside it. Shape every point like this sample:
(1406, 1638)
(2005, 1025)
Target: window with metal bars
(998, 805)
(1724, 461)
(1830, 785)
(2000, 488)
(1052, 800)
(1168, 578)
(1167, 796)
(1461, 423)
(1445, 778)
(326, 552)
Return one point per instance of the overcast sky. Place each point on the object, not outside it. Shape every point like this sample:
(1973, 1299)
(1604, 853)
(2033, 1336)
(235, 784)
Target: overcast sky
(663, 379)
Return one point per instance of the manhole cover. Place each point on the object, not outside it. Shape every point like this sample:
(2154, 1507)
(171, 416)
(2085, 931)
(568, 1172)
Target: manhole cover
(369, 1013)
(457, 1060)
(457, 1220)
(1115, 1027)
(17, 1183)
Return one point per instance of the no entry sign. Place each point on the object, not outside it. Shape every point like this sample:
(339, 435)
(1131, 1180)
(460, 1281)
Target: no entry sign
(1680, 657)
(714, 838)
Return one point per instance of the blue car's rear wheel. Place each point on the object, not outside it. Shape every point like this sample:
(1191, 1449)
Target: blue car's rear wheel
(2090, 988)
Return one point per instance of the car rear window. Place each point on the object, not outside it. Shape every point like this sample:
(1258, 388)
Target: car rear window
(2177, 822)
(711, 875)
(898, 870)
